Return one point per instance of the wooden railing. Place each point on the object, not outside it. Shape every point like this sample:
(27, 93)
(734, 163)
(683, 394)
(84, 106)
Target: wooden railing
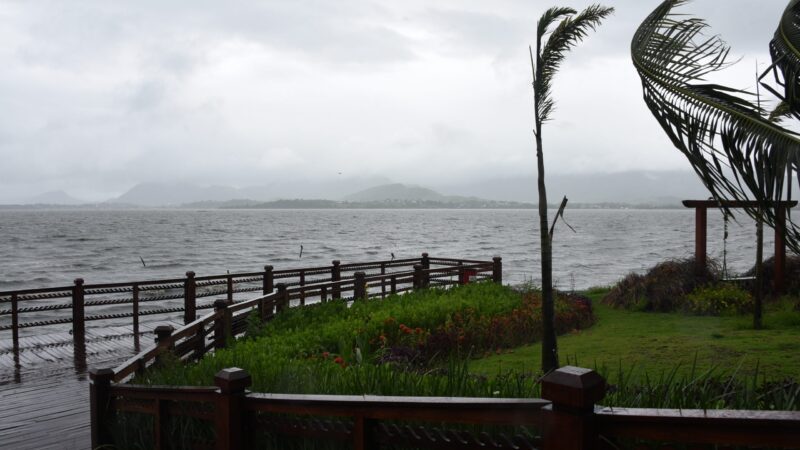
(567, 418)
(228, 319)
(136, 299)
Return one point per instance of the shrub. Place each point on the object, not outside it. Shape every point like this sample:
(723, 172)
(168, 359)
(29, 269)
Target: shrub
(663, 288)
(723, 298)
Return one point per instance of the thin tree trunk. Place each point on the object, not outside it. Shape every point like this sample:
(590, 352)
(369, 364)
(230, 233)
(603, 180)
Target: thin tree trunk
(549, 345)
(759, 288)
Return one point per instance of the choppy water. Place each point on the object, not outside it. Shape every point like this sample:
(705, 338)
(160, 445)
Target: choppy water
(50, 248)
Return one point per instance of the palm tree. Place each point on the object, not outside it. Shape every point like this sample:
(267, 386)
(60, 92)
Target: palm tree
(733, 146)
(571, 29)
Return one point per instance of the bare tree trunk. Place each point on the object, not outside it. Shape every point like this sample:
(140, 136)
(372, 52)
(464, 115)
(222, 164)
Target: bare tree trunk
(759, 288)
(549, 345)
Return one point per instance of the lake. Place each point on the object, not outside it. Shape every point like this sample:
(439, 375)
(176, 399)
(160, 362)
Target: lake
(49, 248)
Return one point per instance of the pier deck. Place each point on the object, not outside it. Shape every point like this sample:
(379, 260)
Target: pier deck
(44, 389)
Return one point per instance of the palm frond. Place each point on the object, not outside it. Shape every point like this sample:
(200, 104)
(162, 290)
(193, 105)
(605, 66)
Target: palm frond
(785, 52)
(569, 32)
(731, 144)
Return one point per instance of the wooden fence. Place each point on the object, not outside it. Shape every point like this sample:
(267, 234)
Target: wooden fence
(134, 300)
(566, 418)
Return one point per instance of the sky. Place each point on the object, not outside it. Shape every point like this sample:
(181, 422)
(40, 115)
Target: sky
(97, 96)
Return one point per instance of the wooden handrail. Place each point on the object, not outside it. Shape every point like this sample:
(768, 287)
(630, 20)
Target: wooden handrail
(567, 416)
(697, 426)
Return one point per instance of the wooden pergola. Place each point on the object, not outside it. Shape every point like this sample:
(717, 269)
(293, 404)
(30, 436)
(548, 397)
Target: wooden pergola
(700, 233)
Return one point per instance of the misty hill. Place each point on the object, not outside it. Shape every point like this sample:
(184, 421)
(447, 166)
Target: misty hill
(665, 188)
(174, 194)
(395, 191)
(54, 198)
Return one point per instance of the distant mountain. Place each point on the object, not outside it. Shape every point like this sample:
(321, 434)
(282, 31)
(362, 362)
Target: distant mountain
(395, 191)
(665, 188)
(54, 198)
(175, 194)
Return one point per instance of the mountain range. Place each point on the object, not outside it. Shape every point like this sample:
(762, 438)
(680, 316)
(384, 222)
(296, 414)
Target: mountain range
(625, 188)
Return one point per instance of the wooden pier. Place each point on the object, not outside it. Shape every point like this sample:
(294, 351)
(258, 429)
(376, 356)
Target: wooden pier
(48, 345)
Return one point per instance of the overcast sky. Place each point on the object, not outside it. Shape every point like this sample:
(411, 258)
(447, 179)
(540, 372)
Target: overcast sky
(96, 96)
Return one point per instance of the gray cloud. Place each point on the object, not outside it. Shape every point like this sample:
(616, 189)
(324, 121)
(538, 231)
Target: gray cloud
(98, 96)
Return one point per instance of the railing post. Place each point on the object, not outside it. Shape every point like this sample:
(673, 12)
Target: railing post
(15, 323)
(462, 274)
(101, 410)
(302, 287)
(363, 433)
(163, 333)
(222, 325)
(497, 270)
(78, 324)
(417, 278)
(569, 422)
(269, 280)
(189, 298)
(282, 301)
(393, 286)
(136, 317)
(360, 286)
(336, 275)
(426, 276)
(229, 419)
(229, 283)
(383, 280)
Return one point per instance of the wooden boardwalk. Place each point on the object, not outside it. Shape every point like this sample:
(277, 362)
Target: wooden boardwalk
(44, 389)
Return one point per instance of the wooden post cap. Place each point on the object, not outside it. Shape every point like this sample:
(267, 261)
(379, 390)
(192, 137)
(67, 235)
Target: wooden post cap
(220, 303)
(336, 262)
(190, 274)
(163, 331)
(97, 374)
(232, 380)
(573, 388)
(497, 258)
(268, 268)
(79, 281)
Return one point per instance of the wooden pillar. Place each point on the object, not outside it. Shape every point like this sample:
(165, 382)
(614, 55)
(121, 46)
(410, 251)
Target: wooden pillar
(417, 278)
(229, 283)
(569, 422)
(229, 420)
(282, 302)
(163, 333)
(462, 274)
(363, 433)
(78, 316)
(426, 276)
(135, 290)
(393, 285)
(15, 323)
(302, 287)
(383, 280)
(497, 270)
(360, 286)
(336, 275)
(780, 251)
(268, 282)
(222, 324)
(700, 230)
(189, 298)
(101, 410)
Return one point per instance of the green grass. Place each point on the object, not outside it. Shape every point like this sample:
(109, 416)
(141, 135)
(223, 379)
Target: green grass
(654, 344)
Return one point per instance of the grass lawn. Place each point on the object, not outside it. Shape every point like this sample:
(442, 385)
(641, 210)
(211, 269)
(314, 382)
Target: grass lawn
(654, 343)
